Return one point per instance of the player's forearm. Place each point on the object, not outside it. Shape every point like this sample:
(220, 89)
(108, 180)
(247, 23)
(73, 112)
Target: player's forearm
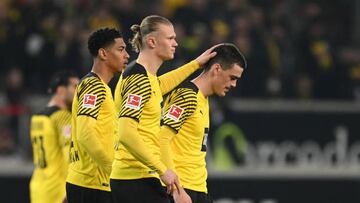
(166, 135)
(173, 78)
(88, 139)
(130, 138)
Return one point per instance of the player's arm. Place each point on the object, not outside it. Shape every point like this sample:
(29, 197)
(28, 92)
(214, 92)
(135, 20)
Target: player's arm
(87, 137)
(137, 92)
(62, 131)
(181, 106)
(90, 100)
(166, 136)
(170, 80)
(173, 78)
(132, 141)
(135, 145)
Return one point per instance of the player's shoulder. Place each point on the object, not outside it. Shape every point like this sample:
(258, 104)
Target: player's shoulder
(91, 82)
(47, 111)
(134, 69)
(184, 95)
(91, 79)
(189, 85)
(187, 88)
(61, 114)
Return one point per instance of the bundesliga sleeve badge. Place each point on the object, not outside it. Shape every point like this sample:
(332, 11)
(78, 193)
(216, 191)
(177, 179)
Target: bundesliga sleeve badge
(133, 101)
(89, 101)
(175, 112)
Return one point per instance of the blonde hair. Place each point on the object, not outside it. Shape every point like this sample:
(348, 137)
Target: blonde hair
(148, 25)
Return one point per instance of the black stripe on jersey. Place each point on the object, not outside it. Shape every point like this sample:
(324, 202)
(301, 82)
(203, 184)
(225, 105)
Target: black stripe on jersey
(60, 119)
(134, 69)
(89, 75)
(48, 111)
(190, 85)
(185, 98)
(91, 84)
(138, 84)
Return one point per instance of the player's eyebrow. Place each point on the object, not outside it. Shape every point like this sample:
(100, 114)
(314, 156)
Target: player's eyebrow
(172, 36)
(234, 77)
(122, 47)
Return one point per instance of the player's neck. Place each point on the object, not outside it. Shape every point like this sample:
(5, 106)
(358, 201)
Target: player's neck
(202, 82)
(150, 61)
(100, 69)
(56, 100)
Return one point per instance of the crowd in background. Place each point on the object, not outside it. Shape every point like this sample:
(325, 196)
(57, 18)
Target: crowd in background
(296, 49)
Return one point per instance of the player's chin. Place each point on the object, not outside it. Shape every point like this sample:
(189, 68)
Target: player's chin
(119, 69)
(171, 55)
(122, 67)
(221, 94)
(165, 56)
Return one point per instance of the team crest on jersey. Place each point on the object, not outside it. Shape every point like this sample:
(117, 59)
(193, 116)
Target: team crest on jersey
(175, 112)
(133, 101)
(89, 101)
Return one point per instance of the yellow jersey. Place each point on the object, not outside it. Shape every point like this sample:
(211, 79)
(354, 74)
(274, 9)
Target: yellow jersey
(186, 111)
(138, 97)
(93, 131)
(50, 134)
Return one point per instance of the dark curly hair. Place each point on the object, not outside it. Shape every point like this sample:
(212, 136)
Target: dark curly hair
(102, 38)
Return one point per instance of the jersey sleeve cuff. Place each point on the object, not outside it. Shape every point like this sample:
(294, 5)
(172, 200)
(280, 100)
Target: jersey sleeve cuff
(161, 168)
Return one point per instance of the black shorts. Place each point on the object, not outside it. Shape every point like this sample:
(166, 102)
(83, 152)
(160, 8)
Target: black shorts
(146, 190)
(197, 197)
(78, 194)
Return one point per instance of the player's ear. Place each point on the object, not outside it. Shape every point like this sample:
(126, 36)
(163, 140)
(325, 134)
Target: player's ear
(215, 68)
(60, 89)
(102, 53)
(150, 41)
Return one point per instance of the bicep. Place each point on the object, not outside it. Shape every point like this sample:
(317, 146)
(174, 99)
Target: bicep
(90, 101)
(181, 106)
(136, 92)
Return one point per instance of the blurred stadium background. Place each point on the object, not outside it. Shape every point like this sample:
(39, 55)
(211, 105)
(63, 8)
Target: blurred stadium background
(288, 134)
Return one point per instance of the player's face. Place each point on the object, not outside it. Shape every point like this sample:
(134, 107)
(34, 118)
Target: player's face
(165, 43)
(117, 55)
(70, 90)
(226, 79)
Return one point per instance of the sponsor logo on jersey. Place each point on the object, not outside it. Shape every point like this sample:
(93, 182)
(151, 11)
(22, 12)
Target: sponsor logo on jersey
(89, 101)
(133, 101)
(175, 112)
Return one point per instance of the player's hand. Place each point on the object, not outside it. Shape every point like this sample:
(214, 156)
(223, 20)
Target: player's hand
(206, 56)
(181, 196)
(170, 179)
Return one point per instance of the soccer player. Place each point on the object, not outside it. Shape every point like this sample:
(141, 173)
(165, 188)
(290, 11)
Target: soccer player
(138, 96)
(50, 137)
(94, 121)
(185, 126)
